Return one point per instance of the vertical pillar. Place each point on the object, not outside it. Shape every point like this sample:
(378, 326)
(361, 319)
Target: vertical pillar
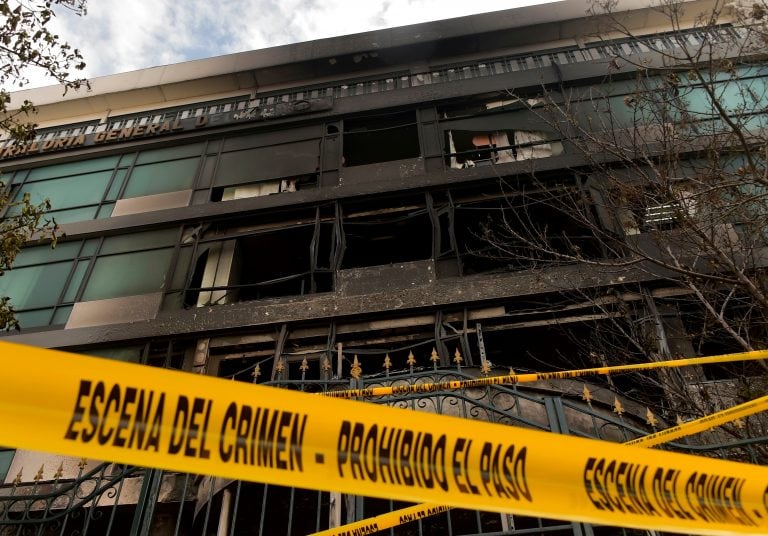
(334, 510)
(226, 502)
(672, 342)
(145, 505)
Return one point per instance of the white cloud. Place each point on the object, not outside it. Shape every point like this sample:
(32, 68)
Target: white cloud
(123, 35)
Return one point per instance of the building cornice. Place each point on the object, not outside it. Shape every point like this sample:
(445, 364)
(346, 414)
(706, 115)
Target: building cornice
(252, 70)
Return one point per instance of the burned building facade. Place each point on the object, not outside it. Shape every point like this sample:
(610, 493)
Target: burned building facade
(324, 215)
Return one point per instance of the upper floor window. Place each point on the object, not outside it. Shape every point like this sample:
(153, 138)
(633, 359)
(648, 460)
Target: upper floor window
(88, 189)
(44, 283)
(487, 132)
(380, 138)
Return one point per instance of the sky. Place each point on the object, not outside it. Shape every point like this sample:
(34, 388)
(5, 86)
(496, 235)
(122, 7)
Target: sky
(124, 35)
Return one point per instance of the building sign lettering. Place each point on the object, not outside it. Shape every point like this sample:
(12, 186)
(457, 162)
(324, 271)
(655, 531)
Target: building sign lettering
(136, 132)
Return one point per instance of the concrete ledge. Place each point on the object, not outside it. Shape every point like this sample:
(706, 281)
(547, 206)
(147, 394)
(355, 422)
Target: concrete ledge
(149, 203)
(114, 311)
(449, 292)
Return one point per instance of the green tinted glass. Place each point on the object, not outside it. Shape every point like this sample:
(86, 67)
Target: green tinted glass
(132, 242)
(130, 353)
(169, 153)
(73, 214)
(162, 177)
(128, 274)
(117, 183)
(73, 168)
(41, 254)
(61, 315)
(6, 457)
(77, 278)
(35, 286)
(31, 319)
(69, 192)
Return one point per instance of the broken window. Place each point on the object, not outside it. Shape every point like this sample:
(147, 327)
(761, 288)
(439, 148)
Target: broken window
(288, 270)
(288, 353)
(395, 336)
(239, 260)
(495, 132)
(380, 138)
(727, 383)
(238, 357)
(291, 184)
(471, 148)
(376, 234)
(258, 164)
(643, 210)
(509, 229)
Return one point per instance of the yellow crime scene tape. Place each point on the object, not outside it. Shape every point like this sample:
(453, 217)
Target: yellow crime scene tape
(705, 423)
(133, 414)
(421, 511)
(374, 524)
(422, 388)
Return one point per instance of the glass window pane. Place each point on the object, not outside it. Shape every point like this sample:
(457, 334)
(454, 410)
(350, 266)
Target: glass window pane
(127, 159)
(162, 177)
(73, 214)
(128, 274)
(61, 315)
(77, 278)
(35, 286)
(105, 211)
(73, 168)
(70, 191)
(90, 246)
(117, 183)
(32, 319)
(132, 242)
(169, 153)
(272, 162)
(6, 457)
(180, 276)
(13, 178)
(40, 254)
(130, 353)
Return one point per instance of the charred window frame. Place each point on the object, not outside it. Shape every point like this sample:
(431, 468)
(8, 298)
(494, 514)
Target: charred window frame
(170, 354)
(262, 163)
(241, 260)
(632, 207)
(445, 248)
(726, 383)
(494, 130)
(289, 354)
(381, 137)
(515, 225)
(314, 356)
(386, 231)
